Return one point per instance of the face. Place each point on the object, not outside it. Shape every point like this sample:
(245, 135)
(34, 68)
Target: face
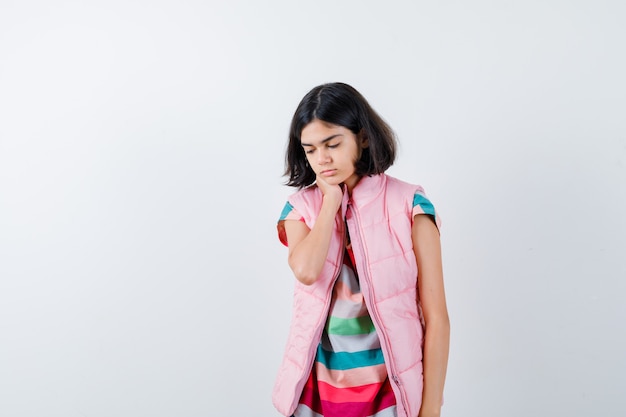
(332, 151)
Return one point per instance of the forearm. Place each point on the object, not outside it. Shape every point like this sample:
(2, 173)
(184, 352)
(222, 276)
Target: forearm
(307, 258)
(436, 347)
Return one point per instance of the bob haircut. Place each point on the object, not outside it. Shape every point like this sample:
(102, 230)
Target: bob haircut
(341, 105)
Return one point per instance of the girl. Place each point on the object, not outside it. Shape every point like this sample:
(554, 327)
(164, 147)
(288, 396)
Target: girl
(368, 337)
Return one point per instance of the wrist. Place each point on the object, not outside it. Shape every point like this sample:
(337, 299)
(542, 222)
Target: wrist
(333, 201)
(429, 411)
(429, 414)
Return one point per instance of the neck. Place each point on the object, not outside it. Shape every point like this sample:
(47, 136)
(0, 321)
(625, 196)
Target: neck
(351, 182)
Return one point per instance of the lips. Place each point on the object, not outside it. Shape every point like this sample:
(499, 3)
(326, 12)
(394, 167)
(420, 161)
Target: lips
(328, 172)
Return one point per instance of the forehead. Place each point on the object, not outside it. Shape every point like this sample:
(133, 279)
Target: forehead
(317, 131)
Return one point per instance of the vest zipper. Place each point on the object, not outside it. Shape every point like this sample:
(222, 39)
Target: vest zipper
(372, 308)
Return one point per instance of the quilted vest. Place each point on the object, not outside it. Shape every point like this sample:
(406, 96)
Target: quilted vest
(379, 221)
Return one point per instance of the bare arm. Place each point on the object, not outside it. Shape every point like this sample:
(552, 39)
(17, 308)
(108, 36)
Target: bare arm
(427, 248)
(308, 248)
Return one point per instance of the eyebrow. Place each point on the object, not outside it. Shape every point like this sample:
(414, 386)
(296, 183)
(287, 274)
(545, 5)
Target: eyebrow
(324, 140)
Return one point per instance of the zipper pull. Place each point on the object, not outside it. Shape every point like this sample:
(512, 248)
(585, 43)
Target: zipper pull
(349, 209)
(344, 204)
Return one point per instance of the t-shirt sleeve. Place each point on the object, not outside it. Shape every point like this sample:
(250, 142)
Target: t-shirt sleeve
(288, 213)
(422, 205)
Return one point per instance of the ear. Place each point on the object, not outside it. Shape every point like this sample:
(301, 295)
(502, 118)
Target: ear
(363, 139)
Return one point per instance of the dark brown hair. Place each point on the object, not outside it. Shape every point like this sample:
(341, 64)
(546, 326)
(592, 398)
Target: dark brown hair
(341, 105)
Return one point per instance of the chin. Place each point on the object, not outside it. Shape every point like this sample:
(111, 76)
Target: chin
(333, 181)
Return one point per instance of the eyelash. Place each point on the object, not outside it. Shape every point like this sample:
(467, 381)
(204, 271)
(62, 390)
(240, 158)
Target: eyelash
(310, 151)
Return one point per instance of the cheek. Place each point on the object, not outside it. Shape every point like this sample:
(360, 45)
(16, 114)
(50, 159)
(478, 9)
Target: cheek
(356, 155)
(309, 163)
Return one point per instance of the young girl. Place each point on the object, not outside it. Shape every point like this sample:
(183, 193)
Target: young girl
(369, 335)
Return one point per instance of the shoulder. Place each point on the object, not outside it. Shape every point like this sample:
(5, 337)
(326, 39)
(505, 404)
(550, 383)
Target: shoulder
(299, 206)
(305, 204)
(403, 187)
(308, 190)
(310, 195)
(414, 197)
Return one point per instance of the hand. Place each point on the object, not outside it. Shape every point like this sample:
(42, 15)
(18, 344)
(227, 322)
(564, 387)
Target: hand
(426, 411)
(333, 194)
(431, 414)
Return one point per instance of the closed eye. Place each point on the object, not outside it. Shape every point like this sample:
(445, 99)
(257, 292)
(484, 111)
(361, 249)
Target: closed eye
(309, 149)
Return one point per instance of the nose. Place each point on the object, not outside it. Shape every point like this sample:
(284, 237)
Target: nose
(323, 156)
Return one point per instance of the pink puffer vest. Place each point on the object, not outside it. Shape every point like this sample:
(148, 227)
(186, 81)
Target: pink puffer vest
(379, 224)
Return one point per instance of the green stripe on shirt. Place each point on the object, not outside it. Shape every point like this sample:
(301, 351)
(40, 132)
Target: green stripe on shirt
(351, 326)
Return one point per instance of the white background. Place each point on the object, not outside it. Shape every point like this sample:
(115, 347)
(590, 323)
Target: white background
(141, 153)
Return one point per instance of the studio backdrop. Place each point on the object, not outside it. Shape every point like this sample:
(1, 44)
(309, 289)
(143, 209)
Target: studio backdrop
(141, 158)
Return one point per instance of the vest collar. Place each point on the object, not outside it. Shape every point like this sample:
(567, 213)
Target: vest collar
(368, 188)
